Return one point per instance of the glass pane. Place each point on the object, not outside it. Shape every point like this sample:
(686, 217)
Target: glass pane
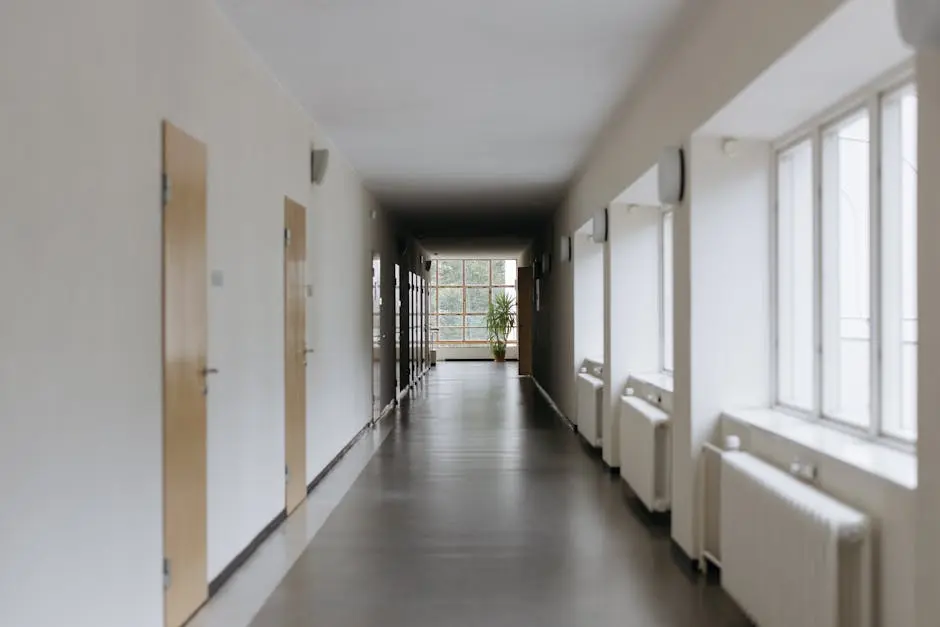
(795, 278)
(666, 291)
(504, 272)
(846, 274)
(511, 291)
(450, 300)
(477, 335)
(433, 273)
(499, 272)
(476, 321)
(451, 334)
(451, 321)
(451, 272)
(433, 300)
(432, 322)
(478, 272)
(478, 299)
(899, 264)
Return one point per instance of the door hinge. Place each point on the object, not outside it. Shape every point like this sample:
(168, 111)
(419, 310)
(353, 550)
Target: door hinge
(166, 573)
(167, 189)
(286, 238)
(287, 473)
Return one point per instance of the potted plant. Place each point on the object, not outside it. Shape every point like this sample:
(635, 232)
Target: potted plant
(500, 321)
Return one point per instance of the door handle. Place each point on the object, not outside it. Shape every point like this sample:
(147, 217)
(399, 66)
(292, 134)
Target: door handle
(207, 371)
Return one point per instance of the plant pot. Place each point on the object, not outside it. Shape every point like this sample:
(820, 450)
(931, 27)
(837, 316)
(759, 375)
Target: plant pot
(500, 358)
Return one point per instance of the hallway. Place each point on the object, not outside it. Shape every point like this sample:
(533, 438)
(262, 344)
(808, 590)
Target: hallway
(482, 509)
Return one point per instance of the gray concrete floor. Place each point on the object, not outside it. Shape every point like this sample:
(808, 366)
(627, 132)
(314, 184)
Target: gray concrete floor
(483, 510)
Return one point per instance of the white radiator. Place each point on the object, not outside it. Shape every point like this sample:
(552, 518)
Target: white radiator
(590, 403)
(790, 554)
(646, 452)
(710, 530)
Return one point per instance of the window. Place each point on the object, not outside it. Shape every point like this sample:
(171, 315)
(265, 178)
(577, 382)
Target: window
(899, 263)
(460, 295)
(665, 291)
(795, 277)
(846, 298)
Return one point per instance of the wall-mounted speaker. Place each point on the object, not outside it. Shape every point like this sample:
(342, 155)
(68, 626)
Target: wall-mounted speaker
(599, 232)
(919, 23)
(564, 248)
(672, 176)
(319, 161)
(546, 263)
(427, 266)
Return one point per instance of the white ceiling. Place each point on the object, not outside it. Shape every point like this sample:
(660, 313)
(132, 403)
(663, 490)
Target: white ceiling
(437, 99)
(856, 45)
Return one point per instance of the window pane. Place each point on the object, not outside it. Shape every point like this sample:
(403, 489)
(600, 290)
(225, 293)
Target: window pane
(899, 264)
(478, 299)
(451, 321)
(795, 282)
(432, 276)
(846, 274)
(478, 272)
(451, 334)
(450, 300)
(504, 272)
(432, 322)
(476, 321)
(451, 272)
(666, 291)
(511, 291)
(477, 335)
(433, 300)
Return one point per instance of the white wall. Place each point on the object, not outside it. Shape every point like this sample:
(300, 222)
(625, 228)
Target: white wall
(722, 307)
(928, 285)
(85, 87)
(700, 72)
(473, 352)
(631, 308)
(588, 262)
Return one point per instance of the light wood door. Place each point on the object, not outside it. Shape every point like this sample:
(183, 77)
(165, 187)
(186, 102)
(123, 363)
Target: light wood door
(295, 353)
(524, 307)
(185, 323)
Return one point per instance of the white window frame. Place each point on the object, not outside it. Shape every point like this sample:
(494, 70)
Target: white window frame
(870, 99)
(667, 211)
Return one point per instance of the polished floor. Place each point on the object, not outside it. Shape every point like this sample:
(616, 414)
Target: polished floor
(482, 509)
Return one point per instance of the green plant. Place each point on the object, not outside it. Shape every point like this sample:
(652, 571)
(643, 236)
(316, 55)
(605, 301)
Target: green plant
(500, 321)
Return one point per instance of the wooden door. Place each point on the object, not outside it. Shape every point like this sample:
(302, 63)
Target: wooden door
(185, 385)
(295, 354)
(524, 304)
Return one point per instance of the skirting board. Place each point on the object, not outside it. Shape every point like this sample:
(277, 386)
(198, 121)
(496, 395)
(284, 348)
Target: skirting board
(216, 584)
(552, 404)
(339, 456)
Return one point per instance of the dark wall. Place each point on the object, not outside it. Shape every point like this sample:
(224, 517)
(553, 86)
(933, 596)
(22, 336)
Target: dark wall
(542, 315)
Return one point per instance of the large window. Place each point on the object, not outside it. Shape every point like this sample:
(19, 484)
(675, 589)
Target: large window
(461, 291)
(665, 292)
(846, 299)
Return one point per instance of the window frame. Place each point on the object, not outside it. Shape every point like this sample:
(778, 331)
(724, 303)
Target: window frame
(435, 286)
(870, 99)
(666, 211)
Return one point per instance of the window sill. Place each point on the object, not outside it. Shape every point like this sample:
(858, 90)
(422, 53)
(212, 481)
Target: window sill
(659, 380)
(871, 457)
